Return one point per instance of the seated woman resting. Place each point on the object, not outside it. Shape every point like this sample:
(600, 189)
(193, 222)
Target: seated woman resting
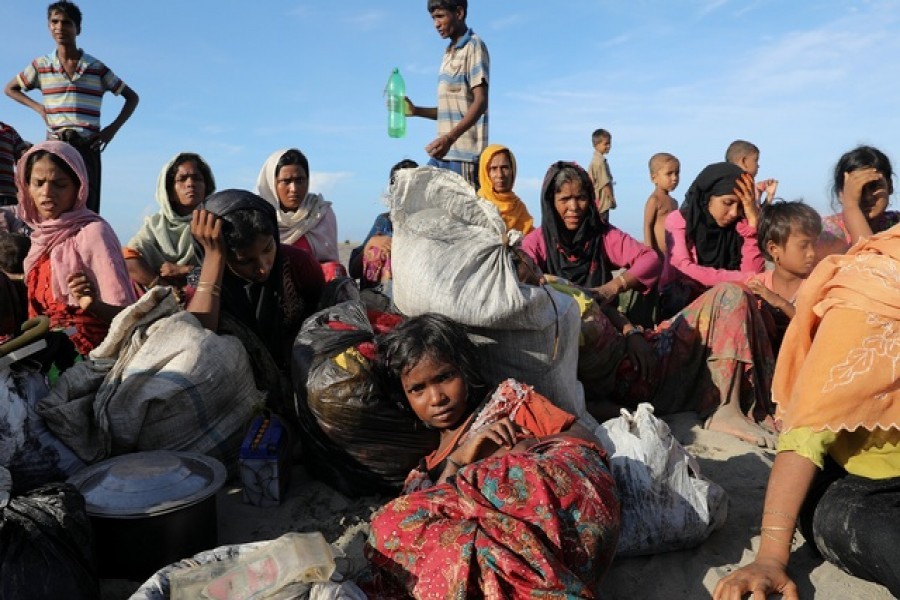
(266, 288)
(517, 500)
(837, 386)
(712, 238)
(574, 243)
(305, 220)
(74, 271)
(162, 251)
(862, 186)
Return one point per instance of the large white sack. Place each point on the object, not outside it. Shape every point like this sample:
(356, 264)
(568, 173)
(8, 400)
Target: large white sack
(450, 252)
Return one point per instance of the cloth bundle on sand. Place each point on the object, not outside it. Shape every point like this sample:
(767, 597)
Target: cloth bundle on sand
(667, 504)
(159, 381)
(451, 254)
(32, 453)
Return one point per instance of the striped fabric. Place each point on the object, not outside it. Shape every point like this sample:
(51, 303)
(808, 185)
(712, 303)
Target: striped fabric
(71, 103)
(465, 66)
(11, 144)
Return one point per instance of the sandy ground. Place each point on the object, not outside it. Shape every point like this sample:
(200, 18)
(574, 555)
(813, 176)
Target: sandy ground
(690, 574)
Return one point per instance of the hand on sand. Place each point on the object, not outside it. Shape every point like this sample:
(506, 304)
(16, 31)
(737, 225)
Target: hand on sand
(760, 578)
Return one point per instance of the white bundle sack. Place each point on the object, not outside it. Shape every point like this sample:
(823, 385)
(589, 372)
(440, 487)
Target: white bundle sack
(450, 252)
(666, 503)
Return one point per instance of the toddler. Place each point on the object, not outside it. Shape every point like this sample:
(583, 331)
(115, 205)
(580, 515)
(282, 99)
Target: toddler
(664, 173)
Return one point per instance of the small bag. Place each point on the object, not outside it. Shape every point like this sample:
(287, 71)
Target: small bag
(666, 503)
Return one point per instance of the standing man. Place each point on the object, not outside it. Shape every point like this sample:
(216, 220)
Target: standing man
(72, 84)
(462, 98)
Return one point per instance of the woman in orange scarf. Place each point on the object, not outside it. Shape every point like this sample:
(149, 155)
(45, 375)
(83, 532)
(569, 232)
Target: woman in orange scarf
(497, 174)
(837, 385)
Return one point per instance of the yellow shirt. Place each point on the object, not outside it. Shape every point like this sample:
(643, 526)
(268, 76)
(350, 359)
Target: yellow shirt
(870, 454)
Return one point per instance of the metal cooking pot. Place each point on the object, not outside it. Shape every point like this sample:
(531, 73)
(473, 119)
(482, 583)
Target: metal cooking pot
(150, 509)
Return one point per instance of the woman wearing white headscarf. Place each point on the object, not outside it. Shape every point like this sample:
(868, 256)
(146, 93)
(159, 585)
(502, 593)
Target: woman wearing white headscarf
(305, 220)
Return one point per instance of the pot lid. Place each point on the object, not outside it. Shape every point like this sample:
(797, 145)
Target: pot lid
(145, 484)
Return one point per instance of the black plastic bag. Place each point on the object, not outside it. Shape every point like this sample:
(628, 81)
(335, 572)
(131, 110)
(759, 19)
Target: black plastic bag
(356, 438)
(46, 546)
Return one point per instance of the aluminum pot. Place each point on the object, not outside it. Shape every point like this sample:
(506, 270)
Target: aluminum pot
(150, 509)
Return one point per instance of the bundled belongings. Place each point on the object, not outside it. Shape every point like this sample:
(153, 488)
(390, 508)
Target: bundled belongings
(159, 381)
(46, 549)
(32, 453)
(355, 437)
(666, 503)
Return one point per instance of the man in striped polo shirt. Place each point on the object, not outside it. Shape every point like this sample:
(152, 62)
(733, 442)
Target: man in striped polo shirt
(72, 85)
(462, 101)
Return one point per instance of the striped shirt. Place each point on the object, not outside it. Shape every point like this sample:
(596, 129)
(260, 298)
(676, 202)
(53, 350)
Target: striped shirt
(465, 65)
(71, 103)
(11, 145)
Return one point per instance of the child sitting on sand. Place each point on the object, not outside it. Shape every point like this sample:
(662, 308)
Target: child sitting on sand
(787, 237)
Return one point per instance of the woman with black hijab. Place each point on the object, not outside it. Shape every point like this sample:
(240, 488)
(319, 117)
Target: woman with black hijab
(712, 238)
(713, 357)
(250, 284)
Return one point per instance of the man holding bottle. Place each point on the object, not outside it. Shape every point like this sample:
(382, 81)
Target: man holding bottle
(462, 99)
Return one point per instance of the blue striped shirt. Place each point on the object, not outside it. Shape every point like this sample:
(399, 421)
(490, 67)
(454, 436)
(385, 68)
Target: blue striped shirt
(71, 103)
(465, 65)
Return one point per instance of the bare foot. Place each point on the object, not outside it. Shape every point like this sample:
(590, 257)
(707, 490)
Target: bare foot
(732, 423)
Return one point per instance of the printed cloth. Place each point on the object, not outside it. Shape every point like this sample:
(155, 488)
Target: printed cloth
(838, 366)
(541, 523)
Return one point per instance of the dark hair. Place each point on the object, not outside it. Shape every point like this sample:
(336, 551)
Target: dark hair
(778, 218)
(406, 163)
(451, 5)
(241, 228)
(433, 336)
(201, 164)
(600, 135)
(861, 157)
(67, 8)
(13, 249)
(57, 160)
(292, 157)
(739, 149)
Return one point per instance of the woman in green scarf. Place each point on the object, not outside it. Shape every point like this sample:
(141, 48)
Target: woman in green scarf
(162, 252)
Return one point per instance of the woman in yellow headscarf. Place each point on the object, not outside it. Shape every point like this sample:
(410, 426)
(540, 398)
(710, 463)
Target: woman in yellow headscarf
(497, 174)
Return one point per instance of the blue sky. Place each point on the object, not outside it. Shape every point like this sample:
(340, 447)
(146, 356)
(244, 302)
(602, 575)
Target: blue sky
(236, 80)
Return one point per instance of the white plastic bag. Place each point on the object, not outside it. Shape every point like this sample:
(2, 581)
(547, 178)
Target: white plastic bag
(666, 503)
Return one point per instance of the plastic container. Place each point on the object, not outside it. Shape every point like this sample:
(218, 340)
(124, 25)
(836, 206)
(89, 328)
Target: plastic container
(395, 90)
(291, 558)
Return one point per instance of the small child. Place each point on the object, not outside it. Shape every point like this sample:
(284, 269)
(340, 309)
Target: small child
(598, 169)
(665, 170)
(746, 155)
(786, 234)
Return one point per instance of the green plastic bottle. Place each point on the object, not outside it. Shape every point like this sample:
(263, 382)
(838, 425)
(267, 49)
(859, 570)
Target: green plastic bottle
(395, 90)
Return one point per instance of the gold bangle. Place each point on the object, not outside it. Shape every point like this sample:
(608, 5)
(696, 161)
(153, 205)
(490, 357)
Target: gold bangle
(780, 514)
(772, 528)
(789, 542)
(624, 282)
(210, 288)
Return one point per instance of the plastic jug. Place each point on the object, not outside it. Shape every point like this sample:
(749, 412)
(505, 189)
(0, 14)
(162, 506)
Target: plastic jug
(395, 90)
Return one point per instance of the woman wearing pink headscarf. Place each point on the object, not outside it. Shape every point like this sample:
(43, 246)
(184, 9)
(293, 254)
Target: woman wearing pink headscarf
(74, 272)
